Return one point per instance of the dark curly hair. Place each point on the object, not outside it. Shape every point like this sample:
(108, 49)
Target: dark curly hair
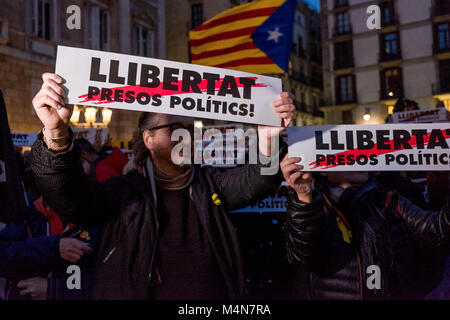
(146, 121)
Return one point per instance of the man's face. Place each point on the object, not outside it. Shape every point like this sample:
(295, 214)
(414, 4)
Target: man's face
(348, 179)
(158, 138)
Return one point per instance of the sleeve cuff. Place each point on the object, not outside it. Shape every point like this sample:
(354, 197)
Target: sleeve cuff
(315, 205)
(55, 159)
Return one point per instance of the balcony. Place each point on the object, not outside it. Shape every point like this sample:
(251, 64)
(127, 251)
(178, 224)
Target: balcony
(440, 88)
(343, 62)
(391, 94)
(387, 56)
(440, 8)
(346, 100)
(340, 3)
(342, 30)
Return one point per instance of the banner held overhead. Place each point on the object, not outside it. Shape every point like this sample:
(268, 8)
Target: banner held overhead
(144, 84)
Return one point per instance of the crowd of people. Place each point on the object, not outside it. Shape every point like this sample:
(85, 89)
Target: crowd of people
(150, 229)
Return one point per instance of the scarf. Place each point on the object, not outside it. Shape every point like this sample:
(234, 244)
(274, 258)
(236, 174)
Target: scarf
(54, 221)
(167, 182)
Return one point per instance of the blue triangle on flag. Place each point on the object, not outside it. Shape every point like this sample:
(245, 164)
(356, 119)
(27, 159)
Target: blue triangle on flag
(274, 36)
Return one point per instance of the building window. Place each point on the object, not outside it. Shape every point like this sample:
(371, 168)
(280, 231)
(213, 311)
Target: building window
(340, 3)
(301, 51)
(390, 46)
(144, 43)
(41, 19)
(390, 109)
(98, 28)
(442, 7)
(343, 55)
(444, 76)
(3, 30)
(342, 23)
(388, 17)
(345, 89)
(447, 104)
(104, 26)
(196, 15)
(443, 36)
(391, 83)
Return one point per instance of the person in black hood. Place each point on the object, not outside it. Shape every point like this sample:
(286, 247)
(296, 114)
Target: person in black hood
(167, 232)
(345, 225)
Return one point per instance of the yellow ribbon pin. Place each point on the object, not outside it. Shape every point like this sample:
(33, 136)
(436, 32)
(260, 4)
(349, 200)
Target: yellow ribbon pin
(216, 200)
(346, 234)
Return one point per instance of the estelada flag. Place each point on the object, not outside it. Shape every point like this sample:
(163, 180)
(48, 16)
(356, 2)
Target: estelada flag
(254, 37)
(12, 197)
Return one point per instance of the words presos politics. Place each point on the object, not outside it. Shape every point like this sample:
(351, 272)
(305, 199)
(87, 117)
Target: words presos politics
(172, 81)
(373, 147)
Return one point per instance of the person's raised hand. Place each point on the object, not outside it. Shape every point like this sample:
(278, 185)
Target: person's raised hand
(51, 108)
(284, 108)
(300, 181)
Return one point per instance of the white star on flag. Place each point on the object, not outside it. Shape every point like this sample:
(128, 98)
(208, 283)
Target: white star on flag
(274, 35)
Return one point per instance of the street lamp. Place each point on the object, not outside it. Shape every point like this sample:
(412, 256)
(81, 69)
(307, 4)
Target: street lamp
(90, 114)
(75, 115)
(367, 115)
(106, 115)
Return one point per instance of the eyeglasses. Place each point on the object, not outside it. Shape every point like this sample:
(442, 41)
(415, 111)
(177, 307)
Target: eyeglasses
(174, 126)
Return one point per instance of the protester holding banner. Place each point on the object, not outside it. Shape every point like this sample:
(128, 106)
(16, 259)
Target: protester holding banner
(347, 227)
(167, 232)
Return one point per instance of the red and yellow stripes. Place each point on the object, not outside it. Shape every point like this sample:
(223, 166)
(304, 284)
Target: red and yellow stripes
(225, 40)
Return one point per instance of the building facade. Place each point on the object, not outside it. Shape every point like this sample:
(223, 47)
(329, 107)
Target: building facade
(304, 79)
(185, 15)
(366, 70)
(30, 30)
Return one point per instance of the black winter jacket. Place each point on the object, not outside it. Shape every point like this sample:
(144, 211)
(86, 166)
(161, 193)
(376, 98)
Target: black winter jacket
(125, 205)
(410, 248)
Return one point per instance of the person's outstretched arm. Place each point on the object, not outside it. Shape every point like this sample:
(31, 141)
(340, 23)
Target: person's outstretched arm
(57, 167)
(243, 186)
(428, 229)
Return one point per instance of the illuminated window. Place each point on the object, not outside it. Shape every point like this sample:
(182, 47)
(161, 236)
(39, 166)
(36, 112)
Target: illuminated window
(390, 109)
(447, 104)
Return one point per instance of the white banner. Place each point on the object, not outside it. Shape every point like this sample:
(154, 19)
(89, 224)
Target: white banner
(391, 147)
(420, 116)
(144, 84)
(21, 139)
